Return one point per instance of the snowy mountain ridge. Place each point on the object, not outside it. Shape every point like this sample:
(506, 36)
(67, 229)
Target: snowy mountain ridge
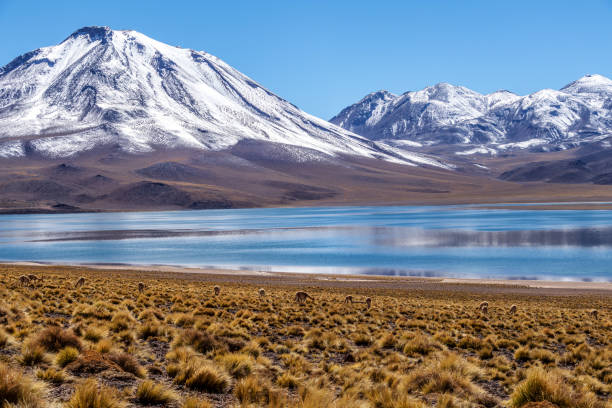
(444, 114)
(103, 87)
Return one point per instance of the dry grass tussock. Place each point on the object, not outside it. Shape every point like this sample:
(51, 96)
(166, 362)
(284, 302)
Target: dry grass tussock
(144, 339)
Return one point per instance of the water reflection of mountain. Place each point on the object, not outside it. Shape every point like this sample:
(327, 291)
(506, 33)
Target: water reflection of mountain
(379, 236)
(415, 237)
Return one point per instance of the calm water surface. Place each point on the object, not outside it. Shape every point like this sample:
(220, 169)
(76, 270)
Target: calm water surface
(421, 241)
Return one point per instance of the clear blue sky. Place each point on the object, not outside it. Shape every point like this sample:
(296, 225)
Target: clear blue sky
(324, 55)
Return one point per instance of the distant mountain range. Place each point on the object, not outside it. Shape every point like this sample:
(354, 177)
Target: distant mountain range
(114, 120)
(443, 114)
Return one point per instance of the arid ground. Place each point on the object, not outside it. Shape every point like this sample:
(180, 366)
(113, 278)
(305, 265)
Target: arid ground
(173, 342)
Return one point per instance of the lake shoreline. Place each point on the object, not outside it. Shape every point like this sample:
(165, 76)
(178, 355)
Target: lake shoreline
(502, 205)
(348, 281)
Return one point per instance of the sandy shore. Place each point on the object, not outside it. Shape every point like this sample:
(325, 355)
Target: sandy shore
(493, 286)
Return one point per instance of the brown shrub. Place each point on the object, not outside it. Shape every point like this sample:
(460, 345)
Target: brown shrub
(92, 362)
(198, 339)
(55, 338)
(127, 363)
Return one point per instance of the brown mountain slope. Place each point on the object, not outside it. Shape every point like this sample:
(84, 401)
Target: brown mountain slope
(243, 177)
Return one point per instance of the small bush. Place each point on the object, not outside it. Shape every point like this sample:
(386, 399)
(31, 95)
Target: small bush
(253, 349)
(196, 403)
(541, 386)
(93, 334)
(200, 376)
(55, 338)
(92, 362)
(127, 363)
(126, 337)
(121, 321)
(287, 380)
(32, 354)
(362, 339)
(180, 354)
(252, 390)
(151, 393)
(66, 356)
(104, 346)
(200, 340)
(238, 365)
(18, 389)
(419, 345)
(387, 341)
(91, 395)
(522, 354)
(383, 396)
(149, 329)
(452, 374)
(51, 375)
(208, 379)
(184, 320)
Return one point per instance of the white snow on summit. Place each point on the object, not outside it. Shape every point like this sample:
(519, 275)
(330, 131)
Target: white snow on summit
(102, 87)
(444, 114)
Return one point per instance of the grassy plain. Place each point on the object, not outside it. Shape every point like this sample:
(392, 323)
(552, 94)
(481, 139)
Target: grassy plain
(423, 343)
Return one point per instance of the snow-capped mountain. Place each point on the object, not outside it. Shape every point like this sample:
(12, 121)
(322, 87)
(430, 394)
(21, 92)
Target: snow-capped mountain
(447, 114)
(102, 87)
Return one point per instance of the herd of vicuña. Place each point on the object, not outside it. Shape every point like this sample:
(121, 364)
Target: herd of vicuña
(300, 296)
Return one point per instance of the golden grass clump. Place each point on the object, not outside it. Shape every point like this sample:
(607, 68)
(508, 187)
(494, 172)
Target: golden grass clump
(66, 356)
(32, 354)
(91, 395)
(237, 365)
(287, 380)
(19, 390)
(151, 393)
(148, 330)
(254, 390)
(193, 402)
(175, 344)
(548, 386)
(93, 334)
(448, 374)
(52, 375)
(120, 321)
(200, 375)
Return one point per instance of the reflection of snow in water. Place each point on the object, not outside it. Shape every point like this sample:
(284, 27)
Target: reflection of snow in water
(580, 237)
(394, 241)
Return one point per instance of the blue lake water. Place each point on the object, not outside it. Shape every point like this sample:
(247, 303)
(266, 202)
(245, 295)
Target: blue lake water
(412, 240)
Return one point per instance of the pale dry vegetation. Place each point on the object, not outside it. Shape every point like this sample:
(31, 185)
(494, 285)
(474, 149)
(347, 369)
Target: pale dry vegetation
(130, 339)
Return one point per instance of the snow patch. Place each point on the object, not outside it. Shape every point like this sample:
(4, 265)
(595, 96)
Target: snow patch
(12, 149)
(478, 150)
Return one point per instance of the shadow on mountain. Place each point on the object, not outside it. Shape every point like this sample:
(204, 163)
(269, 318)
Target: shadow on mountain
(591, 168)
(36, 188)
(173, 171)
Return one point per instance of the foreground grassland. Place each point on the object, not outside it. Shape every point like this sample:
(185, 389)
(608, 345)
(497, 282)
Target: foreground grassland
(177, 344)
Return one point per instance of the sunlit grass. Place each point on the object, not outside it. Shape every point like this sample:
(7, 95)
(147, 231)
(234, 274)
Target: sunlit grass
(179, 345)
